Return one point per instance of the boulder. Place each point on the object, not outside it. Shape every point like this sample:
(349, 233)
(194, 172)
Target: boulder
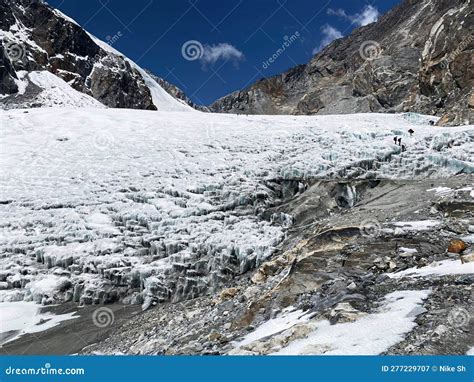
(457, 246)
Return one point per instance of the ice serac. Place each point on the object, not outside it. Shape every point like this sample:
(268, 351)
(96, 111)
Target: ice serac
(418, 57)
(126, 205)
(36, 37)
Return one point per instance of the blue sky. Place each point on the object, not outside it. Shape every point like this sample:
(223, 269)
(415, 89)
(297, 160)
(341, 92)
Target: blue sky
(210, 48)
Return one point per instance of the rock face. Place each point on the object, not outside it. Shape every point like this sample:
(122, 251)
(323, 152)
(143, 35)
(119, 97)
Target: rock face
(418, 57)
(36, 37)
(7, 74)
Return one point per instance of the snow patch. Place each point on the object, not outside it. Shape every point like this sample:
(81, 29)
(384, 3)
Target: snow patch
(438, 268)
(287, 319)
(58, 13)
(19, 318)
(421, 225)
(370, 335)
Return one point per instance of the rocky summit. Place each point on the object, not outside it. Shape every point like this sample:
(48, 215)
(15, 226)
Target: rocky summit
(417, 57)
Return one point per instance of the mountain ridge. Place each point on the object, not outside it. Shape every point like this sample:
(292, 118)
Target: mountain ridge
(36, 37)
(414, 58)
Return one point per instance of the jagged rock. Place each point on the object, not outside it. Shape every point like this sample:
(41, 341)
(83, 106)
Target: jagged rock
(467, 258)
(228, 293)
(344, 312)
(66, 50)
(215, 336)
(385, 263)
(270, 268)
(7, 74)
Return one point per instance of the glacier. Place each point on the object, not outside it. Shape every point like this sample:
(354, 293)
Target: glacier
(102, 205)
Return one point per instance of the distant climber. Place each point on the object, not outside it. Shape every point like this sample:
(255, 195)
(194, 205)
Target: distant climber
(404, 148)
(399, 141)
(395, 139)
(432, 122)
(411, 132)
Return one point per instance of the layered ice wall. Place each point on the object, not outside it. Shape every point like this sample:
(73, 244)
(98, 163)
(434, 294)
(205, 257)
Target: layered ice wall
(146, 207)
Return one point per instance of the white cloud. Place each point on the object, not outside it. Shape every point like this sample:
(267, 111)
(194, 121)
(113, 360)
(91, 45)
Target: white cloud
(329, 35)
(338, 12)
(368, 15)
(221, 51)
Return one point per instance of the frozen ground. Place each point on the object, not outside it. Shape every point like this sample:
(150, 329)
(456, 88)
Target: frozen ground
(103, 205)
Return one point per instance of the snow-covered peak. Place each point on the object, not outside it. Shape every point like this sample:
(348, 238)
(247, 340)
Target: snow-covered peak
(84, 63)
(161, 98)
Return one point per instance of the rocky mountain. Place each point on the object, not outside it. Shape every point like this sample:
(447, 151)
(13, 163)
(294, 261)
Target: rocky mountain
(417, 57)
(37, 38)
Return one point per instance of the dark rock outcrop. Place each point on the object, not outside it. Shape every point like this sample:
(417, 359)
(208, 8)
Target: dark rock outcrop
(7, 74)
(418, 57)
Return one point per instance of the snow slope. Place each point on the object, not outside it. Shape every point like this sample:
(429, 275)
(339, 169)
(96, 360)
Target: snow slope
(143, 205)
(55, 92)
